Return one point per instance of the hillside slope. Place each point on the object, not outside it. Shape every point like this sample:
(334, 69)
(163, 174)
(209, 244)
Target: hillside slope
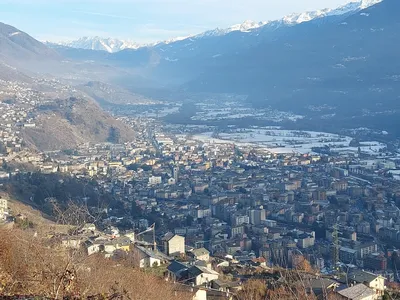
(108, 95)
(68, 123)
(36, 266)
(17, 45)
(21, 53)
(336, 62)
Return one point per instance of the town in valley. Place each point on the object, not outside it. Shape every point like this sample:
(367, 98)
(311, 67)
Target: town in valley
(212, 207)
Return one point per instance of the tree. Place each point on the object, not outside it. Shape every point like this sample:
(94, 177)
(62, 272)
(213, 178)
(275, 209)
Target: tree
(304, 265)
(68, 151)
(253, 290)
(3, 149)
(242, 190)
(114, 135)
(28, 266)
(395, 260)
(146, 168)
(136, 211)
(354, 143)
(132, 167)
(189, 220)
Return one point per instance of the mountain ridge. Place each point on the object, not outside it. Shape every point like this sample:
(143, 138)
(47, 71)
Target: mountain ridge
(348, 62)
(113, 45)
(110, 45)
(334, 65)
(16, 44)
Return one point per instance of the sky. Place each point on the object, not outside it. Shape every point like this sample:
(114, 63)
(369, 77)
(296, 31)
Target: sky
(142, 21)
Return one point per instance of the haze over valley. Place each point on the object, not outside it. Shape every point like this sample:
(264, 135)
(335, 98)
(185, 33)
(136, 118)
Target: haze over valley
(308, 65)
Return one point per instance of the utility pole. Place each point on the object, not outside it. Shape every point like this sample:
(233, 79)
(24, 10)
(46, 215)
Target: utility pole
(335, 254)
(154, 237)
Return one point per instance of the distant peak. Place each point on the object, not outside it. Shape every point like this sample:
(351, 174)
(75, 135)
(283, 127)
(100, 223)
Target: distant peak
(295, 18)
(246, 25)
(368, 3)
(352, 6)
(110, 45)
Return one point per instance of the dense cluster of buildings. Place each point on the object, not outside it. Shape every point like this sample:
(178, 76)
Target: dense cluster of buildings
(241, 205)
(220, 204)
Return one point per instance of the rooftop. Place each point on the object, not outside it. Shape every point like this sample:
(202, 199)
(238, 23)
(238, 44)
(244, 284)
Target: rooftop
(357, 292)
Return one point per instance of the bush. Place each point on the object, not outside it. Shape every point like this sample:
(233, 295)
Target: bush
(29, 267)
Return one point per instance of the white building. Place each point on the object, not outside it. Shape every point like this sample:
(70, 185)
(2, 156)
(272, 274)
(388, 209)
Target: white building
(174, 244)
(3, 207)
(257, 216)
(154, 180)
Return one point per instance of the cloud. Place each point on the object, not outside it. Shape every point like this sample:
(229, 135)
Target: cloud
(92, 13)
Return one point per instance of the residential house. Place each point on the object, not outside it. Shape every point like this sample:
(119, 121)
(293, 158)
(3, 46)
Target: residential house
(197, 275)
(149, 258)
(173, 244)
(73, 243)
(201, 254)
(371, 280)
(201, 275)
(92, 247)
(177, 270)
(224, 286)
(88, 228)
(357, 292)
(320, 286)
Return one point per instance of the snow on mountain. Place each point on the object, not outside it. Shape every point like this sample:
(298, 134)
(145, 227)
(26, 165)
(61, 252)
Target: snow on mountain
(97, 43)
(114, 45)
(173, 40)
(15, 33)
(353, 6)
(246, 26)
(368, 3)
(293, 19)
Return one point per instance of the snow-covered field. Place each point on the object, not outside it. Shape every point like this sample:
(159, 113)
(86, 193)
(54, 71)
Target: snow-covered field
(288, 141)
(226, 108)
(162, 112)
(396, 174)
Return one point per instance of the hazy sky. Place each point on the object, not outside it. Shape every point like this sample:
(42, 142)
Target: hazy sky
(143, 20)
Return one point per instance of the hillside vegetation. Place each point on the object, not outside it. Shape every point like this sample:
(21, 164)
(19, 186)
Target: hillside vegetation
(68, 123)
(33, 262)
(28, 266)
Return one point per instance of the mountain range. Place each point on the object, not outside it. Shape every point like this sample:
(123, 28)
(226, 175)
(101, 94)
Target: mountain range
(345, 64)
(112, 45)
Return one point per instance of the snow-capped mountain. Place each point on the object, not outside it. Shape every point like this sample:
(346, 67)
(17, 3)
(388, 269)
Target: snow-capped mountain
(246, 26)
(335, 60)
(173, 40)
(112, 45)
(97, 43)
(350, 7)
(292, 19)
